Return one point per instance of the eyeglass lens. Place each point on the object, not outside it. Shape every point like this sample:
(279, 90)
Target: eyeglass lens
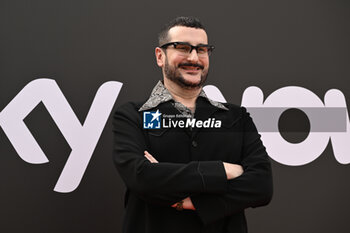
(185, 48)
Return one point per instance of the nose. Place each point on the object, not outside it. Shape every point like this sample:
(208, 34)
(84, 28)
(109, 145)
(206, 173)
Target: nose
(193, 56)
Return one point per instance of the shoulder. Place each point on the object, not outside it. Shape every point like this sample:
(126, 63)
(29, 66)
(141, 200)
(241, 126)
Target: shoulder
(127, 115)
(130, 106)
(129, 109)
(236, 110)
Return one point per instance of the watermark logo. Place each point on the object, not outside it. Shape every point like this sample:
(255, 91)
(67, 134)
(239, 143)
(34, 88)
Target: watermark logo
(151, 120)
(191, 123)
(157, 120)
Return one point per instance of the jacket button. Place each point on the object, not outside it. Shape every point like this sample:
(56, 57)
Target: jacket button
(194, 144)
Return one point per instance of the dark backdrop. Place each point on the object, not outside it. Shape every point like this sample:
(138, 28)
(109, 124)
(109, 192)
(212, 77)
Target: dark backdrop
(82, 44)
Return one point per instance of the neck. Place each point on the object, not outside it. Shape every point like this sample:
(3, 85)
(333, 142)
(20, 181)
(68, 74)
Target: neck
(185, 96)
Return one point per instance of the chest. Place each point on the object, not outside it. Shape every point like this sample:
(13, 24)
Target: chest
(181, 145)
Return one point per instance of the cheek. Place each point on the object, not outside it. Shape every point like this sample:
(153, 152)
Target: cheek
(177, 60)
(173, 58)
(205, 63)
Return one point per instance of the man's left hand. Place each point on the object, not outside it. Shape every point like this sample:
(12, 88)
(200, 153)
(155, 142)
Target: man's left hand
(187, 202)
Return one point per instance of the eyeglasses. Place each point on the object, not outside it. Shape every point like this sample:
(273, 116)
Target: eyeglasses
(186, 48)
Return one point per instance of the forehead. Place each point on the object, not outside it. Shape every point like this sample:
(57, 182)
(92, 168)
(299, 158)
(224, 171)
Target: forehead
(193, 36)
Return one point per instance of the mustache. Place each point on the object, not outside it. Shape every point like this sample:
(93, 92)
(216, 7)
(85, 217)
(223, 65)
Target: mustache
(192, 64)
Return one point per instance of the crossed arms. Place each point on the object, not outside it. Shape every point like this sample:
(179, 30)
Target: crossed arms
(214, 189)
(232, 171)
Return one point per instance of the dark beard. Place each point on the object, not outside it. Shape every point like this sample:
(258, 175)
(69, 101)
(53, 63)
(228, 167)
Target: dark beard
(174, 75)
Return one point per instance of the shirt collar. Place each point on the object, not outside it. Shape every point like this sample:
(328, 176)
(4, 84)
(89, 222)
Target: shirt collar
(160, 95)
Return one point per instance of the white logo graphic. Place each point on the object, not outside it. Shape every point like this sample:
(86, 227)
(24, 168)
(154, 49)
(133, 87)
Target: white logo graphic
(81, 138)
(151, 120)
(191, 123)
(295, 154)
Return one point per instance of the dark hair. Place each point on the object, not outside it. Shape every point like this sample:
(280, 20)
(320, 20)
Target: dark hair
(187, 21)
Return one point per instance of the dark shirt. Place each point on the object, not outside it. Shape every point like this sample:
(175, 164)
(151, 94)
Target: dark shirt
(190, 165)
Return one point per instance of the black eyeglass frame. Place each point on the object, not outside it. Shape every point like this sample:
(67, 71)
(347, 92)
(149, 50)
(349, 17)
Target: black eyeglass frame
(210, 47)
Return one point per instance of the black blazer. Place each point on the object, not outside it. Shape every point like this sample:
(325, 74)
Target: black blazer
(190, 164)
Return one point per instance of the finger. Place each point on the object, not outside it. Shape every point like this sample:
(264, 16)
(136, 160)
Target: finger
(150, 157)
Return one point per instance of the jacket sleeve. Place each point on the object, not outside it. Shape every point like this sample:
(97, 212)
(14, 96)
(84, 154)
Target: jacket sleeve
(165, 183)
(252, 189)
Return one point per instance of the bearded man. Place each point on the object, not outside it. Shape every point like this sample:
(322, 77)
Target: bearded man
(190, 164)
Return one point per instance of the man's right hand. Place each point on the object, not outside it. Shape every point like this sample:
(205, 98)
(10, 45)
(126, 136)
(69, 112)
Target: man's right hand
(232, 170)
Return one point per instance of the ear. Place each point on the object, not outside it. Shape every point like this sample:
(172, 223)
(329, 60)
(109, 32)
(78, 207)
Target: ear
(160, 56)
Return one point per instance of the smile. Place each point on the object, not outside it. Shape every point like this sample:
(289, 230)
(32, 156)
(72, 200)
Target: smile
(191, 68)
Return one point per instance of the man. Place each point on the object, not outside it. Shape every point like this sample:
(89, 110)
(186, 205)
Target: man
(204, 164)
